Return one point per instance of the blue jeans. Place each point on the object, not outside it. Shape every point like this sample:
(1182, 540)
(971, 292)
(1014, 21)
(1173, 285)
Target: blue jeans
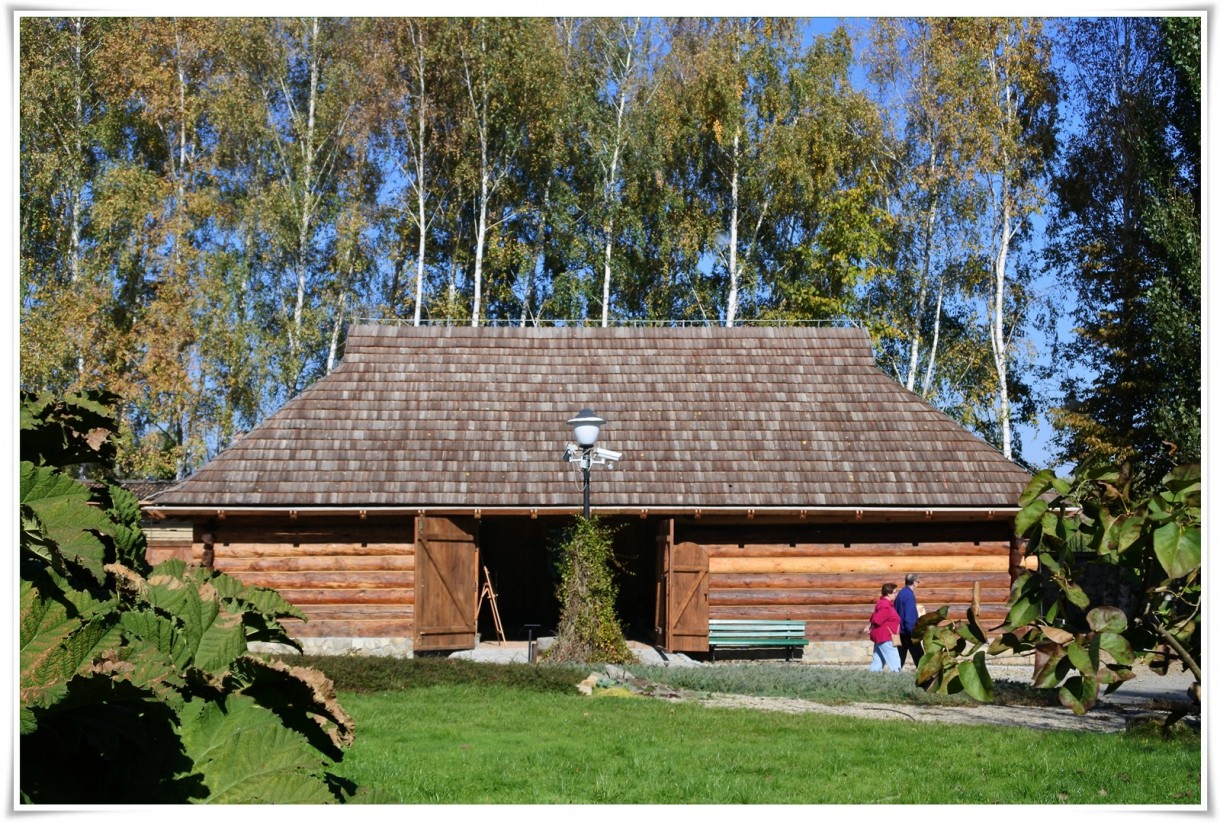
(885, 652)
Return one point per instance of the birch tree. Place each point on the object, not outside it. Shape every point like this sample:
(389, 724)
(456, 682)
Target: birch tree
(301, 70)
(1019, 112)
(65, 141)
(618, 49)
(154, 199)
(407, 67)
(481, 47)
(927, 91)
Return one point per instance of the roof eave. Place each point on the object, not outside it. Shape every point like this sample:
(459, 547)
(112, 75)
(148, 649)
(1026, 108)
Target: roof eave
(809, 513)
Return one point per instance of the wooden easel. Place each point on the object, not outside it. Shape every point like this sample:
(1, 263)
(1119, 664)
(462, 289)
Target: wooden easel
(489, 593)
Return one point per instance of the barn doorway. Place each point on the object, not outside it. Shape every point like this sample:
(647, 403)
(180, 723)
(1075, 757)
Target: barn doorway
(519, 558)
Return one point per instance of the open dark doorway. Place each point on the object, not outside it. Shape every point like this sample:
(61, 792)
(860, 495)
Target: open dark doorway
(518, 555)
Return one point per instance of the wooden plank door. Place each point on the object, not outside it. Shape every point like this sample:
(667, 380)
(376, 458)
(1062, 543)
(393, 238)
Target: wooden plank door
(446, 583)
(684, 580)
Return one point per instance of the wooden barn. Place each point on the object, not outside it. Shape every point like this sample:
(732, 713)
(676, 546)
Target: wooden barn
(767, 473)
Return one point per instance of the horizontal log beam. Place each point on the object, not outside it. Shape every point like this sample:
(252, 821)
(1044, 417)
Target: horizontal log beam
(286, 582)
(868, 549)
(374, 562)
(857, 596)
(388, 529)
(872, 582)
(255, 550)
(342, 612)
(353, 596)
(995, 531)
(989, 614)
(351, 628)
(849, 565)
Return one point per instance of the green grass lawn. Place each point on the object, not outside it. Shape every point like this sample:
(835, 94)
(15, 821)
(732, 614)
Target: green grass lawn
(471, 743)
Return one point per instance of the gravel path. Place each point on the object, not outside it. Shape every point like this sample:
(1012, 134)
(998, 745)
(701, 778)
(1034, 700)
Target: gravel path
(1145, 696)
(1102, 719)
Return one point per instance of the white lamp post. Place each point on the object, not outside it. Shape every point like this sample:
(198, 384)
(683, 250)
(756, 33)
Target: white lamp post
(585, 427)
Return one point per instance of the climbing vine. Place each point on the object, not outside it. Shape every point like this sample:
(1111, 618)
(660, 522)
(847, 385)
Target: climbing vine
(589, 629)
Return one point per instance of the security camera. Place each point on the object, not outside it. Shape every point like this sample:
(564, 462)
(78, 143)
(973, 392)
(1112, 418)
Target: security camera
(608, 455)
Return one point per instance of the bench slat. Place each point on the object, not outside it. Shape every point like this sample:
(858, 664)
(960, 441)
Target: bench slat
(756, 631)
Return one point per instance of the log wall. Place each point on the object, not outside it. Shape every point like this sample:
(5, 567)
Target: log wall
(167, 539)
(352, 578)
(831, 576)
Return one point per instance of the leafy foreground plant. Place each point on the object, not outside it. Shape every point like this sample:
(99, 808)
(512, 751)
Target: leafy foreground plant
(135, 683)
(589, 630)
(1154, 543)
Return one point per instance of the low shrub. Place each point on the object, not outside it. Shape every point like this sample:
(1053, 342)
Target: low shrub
(371, 674)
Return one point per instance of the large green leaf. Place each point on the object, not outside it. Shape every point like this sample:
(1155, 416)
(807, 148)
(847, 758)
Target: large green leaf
(1179, 549)
(61, 629)
(61, 505)
(1107, 618)
(1079, 693)
(1047, 656)
(1029, 516)
(222, 642)
(1127, 533)
(1022, 611)
(927, 620)
(931, 666)
(1183, 483)
(129, 541)
(193, 609)
(246, 756)
(1042, 482)
(1085, 655)
(62, 650)
(975, 679)
(253, 597)
(303, 698)
(1117, 646)
(970, 630)
(161, 633)
(1074, 593)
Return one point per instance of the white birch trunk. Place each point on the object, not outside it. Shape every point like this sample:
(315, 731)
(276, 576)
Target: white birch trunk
(730, 314)
(334, 331)
(298, 311)
(999, 346)
(609, 196)
(419, 260)
(481, 234)
(927, 377)
(77, 198)
(76, 201)
(479, 110)
(180, 187)
(921, 298)
(420, 180)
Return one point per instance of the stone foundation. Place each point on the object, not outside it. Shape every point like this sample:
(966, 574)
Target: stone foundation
(341, 646)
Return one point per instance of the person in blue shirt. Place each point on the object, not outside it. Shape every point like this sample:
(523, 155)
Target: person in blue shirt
(908, 612)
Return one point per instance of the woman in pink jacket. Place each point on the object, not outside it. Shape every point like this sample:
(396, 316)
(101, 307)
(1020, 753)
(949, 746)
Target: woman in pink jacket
(883, 630)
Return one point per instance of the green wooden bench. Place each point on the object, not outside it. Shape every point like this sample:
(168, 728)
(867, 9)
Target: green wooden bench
(755, 633)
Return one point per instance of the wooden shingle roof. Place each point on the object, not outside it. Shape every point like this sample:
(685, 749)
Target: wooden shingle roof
(706, 417)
